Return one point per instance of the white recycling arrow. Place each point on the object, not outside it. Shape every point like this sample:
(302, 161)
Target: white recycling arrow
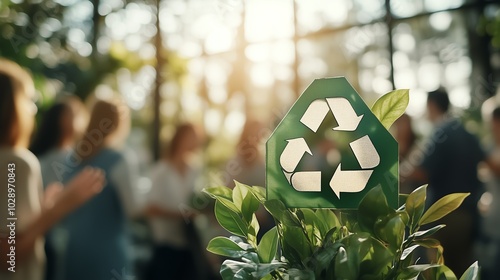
(307, 181)
(356, 180)
(365, 152)
(289, 160)
(349, 180)
(292, 154)
(315, 114)
(345, 115)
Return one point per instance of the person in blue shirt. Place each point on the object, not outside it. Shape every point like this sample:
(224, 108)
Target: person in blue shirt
(449, 164)
(98, 244)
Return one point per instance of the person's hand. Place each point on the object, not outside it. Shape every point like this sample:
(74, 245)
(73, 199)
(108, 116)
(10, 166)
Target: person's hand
(51, 193)
(81, 188)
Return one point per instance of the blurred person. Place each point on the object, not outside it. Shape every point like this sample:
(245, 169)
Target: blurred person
(36, 211)
(408, 153)
(60, 127)
(173, 183)
(249, 158)
(251, 166)
(98, 238)
(450, 162)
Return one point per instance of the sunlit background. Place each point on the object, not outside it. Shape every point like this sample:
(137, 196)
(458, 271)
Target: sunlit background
(220, 62)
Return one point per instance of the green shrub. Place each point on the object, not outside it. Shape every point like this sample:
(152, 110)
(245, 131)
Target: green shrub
(374, 242)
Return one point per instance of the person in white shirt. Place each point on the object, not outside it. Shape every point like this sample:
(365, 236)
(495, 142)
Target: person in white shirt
(173, 181)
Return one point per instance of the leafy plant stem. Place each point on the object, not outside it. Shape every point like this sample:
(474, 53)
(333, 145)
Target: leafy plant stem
(277, 275)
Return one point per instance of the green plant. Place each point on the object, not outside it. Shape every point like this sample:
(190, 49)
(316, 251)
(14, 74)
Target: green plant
(372, 242)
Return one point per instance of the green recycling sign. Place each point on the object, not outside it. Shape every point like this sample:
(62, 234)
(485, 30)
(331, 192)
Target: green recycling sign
(330, 150)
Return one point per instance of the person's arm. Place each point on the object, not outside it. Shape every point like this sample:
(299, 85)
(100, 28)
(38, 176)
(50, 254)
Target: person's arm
(85, 185)
(125, 175)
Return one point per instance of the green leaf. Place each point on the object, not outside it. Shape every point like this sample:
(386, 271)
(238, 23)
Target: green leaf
(392, 231)
(372, 208)
(295, 238)
(245, 201)
(402, 199)
(230, 220)
(279, 211)
(408, 251)
(268, 246)
(229, 204)
(413, 271)
(301, 274)
(428, 243)
(250, 205)
(472, 273)
(367, 255)
(404, 216)
(259, 192)
(311, 225)
(415, 205)
(443, 272)
(241, 242)
(326, 220)
(247, 270)
(309, 216)
(239, 193)
(427, 233)
(253, 230)
(391, 106)
(322, 258)
(443, 207)
(236, 270)
(264, 269)
(225, 247)
(216, 192)
(344, 268)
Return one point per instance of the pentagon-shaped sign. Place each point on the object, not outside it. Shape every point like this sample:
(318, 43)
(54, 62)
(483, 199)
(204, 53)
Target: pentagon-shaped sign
(330, 150)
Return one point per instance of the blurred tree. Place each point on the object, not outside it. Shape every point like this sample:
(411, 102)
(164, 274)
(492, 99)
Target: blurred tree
(49, 39)
(489, 25)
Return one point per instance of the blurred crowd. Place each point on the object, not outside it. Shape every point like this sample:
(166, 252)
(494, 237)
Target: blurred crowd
(80, 215)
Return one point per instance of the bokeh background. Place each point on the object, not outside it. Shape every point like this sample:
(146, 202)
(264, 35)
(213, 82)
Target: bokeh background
(219, 62)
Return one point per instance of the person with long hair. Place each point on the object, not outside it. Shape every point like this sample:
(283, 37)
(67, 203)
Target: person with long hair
(173, 183)
(61, 125)
(98, 240)
(34, 211)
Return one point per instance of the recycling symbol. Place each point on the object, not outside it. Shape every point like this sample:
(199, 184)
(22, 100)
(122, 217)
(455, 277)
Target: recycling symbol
(362, 148)
(369, 153)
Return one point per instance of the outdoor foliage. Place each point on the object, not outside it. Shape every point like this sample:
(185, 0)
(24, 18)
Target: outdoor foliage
(373, 242)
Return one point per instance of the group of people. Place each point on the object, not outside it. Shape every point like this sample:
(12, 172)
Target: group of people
(74, 191)
(448, 160)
